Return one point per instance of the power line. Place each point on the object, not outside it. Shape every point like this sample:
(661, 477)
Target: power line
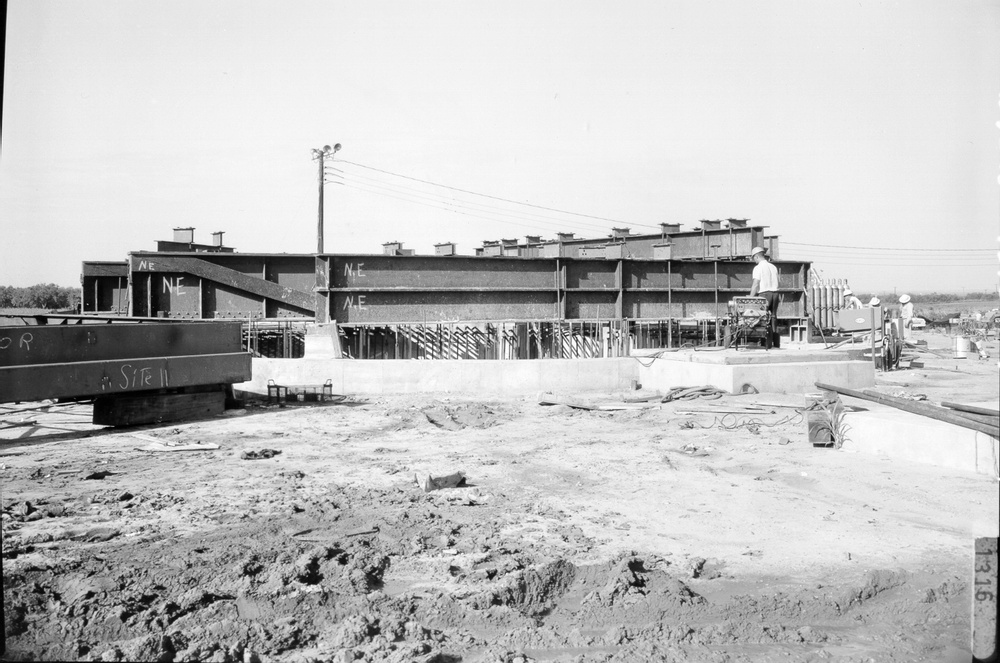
(883, 248)
(438, 207)
(888, 259)
(921, 264)
(466, 204)
(485, 195)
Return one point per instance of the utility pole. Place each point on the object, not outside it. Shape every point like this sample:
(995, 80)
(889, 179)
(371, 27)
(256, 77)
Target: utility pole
(320, 155)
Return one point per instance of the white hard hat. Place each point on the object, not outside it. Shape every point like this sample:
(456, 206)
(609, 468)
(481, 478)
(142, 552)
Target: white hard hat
(756, 250)
(904, 299)
(875, 302)
(848, 292)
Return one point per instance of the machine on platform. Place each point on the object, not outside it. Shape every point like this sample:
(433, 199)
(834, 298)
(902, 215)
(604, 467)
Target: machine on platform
(749, 323)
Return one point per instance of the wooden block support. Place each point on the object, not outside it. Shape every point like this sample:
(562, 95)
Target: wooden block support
(135, 410)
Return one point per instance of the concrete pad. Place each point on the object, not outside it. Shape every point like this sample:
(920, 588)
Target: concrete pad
(777, 371)
(885, 431)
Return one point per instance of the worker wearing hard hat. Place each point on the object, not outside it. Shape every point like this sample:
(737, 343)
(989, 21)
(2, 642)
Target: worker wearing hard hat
(874, 302)
(850, 301)
(906, 315)
(765, 284)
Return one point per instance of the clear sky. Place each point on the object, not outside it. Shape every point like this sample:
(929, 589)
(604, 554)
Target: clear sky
(837, 124)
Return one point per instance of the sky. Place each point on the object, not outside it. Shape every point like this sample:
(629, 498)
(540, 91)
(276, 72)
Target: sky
(865, 134)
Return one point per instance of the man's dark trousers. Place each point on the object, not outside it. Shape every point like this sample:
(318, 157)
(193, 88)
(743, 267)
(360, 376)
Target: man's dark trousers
(772, 308)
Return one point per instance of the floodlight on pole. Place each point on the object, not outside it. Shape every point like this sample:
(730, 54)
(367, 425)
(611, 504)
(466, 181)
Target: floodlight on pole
(321, 155)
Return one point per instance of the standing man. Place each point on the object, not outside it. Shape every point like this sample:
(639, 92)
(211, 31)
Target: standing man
(906, 314)
(765, 284)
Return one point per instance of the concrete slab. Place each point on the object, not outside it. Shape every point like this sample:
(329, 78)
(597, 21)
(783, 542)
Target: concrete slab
(777, 371)
(779, 356)
(885, 431)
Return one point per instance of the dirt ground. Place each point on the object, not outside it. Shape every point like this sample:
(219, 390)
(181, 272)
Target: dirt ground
(581, 535)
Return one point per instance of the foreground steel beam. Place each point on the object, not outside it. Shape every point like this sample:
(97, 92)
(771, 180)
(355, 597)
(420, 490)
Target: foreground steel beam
(96, 378)
(49, 344)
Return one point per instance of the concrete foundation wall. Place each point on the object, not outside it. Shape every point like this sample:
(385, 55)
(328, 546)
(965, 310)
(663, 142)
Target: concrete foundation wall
(485, 377)
(886, 431)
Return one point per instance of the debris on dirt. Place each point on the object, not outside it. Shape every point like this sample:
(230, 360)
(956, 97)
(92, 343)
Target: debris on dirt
(456, 480)
(11, 423)
(946, 591)
(21, 510)
(176, 446)
(546, 398)
(97, 476)
(442, 419)
(157, 444)
(690, 450)
(373, 530)
(909, 396)
(876, 582)
(784, 440)
(96, 535)
(461, 416)
(257, 455)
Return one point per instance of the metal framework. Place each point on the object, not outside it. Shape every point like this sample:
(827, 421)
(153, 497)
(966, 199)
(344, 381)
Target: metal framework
(444, 305)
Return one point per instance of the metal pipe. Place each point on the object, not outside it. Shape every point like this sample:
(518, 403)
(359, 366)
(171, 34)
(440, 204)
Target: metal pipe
(915, 407)
(824, 302)
(829, 304)
(814, 301)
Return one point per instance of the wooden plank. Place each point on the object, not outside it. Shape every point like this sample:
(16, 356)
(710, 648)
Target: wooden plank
(129, 410)
(974, 409)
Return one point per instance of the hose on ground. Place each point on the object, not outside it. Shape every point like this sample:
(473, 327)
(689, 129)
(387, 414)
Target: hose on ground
(707, 392)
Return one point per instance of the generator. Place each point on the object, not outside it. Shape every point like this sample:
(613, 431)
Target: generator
(749, 323)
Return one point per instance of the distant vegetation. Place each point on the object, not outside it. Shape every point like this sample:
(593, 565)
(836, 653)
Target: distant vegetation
(43, 295)
(936, 297)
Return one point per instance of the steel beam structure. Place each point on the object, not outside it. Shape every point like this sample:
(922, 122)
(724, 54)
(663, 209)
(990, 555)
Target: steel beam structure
(398, 289)
(55, 344)
(104, 287)
(98, 378)
(47, 361)
(426, 289)
(170, 288)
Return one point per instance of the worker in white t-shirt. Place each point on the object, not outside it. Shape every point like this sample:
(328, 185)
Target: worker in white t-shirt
(850, 301)
(765, 284)
(906, 315)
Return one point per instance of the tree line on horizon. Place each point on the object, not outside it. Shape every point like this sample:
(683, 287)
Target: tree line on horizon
(935, 297)
(41, 295)
(52, 296)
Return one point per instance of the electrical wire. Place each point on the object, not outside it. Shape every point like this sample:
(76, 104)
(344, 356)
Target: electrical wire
(485, 195)
(929, 265)
(438, 198)
(731, 422)
(882, 248)
(426, 204)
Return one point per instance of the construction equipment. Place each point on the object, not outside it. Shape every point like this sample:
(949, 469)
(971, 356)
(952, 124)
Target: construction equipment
(749, 320)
